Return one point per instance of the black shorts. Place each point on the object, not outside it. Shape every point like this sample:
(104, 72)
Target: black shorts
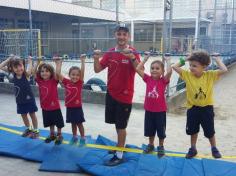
(117, 112)
(75, 115)
(53, 117)
(155, 122)
(27, 108)
(203, 116)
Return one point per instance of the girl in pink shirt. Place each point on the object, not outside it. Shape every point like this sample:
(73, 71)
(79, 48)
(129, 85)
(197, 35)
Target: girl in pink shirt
(73, 103)
(49, 101)
(155, 103)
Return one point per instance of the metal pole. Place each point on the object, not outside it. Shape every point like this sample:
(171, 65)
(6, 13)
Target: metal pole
(199, 24)
(117, 11)
(170, 26)
(30, 25)
(164, 28)
(231, 28)
(214, 26)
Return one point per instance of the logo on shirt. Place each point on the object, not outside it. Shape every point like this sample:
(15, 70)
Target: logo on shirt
(52, 103)
(28, 97)
(124, 61)
(153, 93)
(200, 95)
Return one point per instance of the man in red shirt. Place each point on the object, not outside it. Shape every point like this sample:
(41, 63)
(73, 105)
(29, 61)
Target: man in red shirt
(121, 62)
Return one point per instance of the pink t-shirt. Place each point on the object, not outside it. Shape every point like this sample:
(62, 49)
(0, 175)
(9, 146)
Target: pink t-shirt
(155, 94)
(121, 75)
(48, 93)
(72, 93)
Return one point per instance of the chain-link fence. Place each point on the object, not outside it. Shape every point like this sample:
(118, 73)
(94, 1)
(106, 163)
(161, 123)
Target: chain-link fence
(72, 27)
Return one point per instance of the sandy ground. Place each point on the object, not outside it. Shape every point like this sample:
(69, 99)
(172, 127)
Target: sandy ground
(176, 140)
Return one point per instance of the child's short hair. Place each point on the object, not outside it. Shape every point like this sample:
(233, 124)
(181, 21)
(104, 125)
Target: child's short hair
(200, 56)
(74, 68)
(48, 67)
(159, 63)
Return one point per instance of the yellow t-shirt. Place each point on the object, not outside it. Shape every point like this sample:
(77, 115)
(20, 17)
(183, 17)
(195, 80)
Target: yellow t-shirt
(199, 90)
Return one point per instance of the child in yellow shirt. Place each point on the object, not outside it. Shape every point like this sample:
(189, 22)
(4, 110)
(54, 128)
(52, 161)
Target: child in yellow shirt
(199, 90)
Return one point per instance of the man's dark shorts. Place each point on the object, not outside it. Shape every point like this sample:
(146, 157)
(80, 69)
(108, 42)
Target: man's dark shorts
(117, 112)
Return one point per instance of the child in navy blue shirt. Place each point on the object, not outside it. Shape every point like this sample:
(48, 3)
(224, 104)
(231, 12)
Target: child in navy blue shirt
(25, 100)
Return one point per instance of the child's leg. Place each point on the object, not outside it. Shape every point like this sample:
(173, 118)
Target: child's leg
(74, 129)
(212, 141)
(58, 131)
(34, 120)
(151, 140)
(25, 120)
(161, 142)
(52, 130)
(194, 140)
(81, 129)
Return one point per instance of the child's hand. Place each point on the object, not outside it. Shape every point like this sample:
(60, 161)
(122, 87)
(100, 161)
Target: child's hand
(167, 57)
(56, 59)
(128, 53)
(82, 57)
(30, 58)
(97, 54)
(146, 55)
(187, 56)
(215, 56)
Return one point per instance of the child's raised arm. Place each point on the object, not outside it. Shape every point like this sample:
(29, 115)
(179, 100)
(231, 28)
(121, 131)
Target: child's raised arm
(82, 58)
(35, 67)
(140, 66)
(29, 66)
(58, 63)
(178, 65)
(4, 64)
(169, 68)
(97, 66)
(222, 68)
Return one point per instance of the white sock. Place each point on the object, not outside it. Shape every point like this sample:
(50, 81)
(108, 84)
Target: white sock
(119, 154)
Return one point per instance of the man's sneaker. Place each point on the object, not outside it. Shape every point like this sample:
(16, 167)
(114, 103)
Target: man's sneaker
(82, 142)
(58, 140)
(50, 138)
(149, 149)
(26, 133)
(111, 152)
(34, 134)
(215, 152)
(74, 140)
(192, 152)
(160, 151)
(114, 161)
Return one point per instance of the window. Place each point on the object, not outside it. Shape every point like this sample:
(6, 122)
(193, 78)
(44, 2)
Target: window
(6, 23)
(87, 33)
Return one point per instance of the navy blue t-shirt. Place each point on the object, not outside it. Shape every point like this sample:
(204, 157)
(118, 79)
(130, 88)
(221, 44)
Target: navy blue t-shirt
(23, 92)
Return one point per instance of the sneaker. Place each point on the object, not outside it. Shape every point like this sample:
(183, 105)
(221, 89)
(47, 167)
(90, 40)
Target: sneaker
(192, 152)
(82, 142)
(114, 161)
(160, 151)
(50, 138)
(215, 152)
(26, 133)
(149, 149)
(74, 140)
(111, 152)
(58, 140)
(34, 134)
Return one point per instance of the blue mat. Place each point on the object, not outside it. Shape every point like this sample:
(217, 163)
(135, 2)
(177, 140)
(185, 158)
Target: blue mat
(67, 158)
(218, 168)
(63, 158)
(150, 165)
